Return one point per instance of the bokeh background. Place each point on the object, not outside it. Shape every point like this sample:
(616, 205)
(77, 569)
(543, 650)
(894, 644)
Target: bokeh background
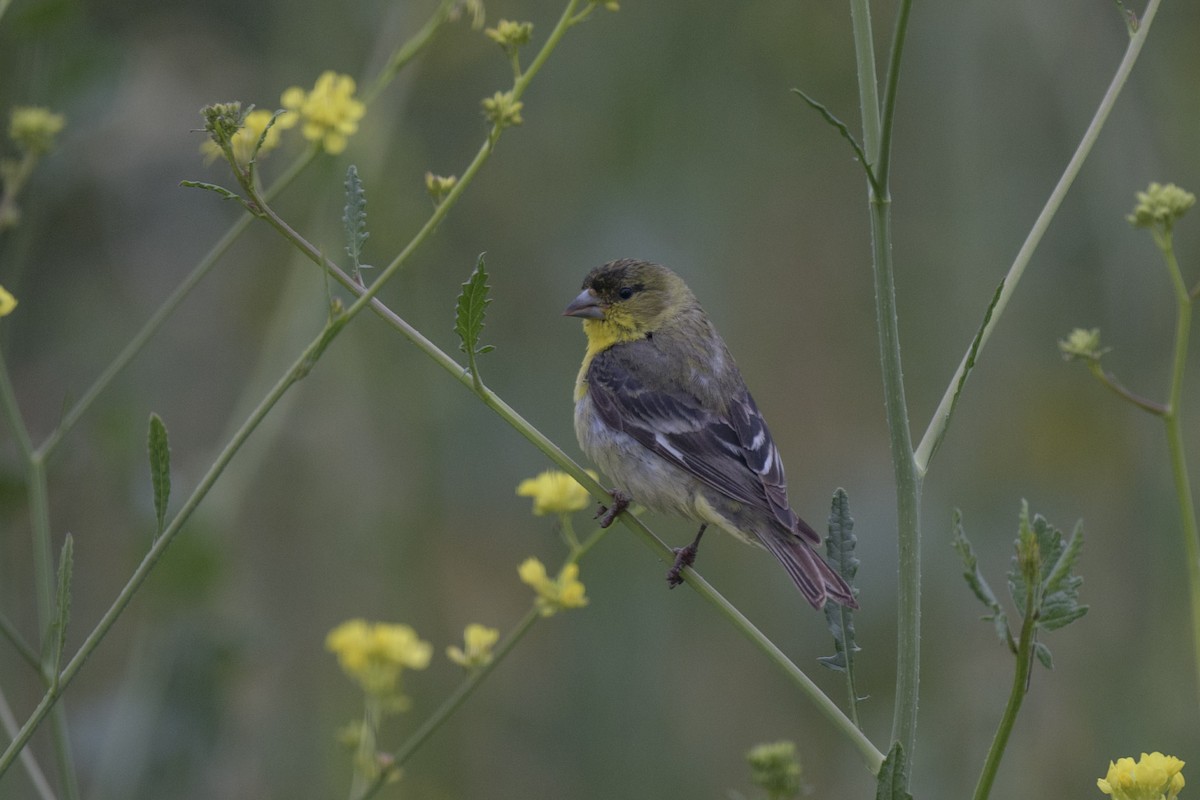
(380, 488)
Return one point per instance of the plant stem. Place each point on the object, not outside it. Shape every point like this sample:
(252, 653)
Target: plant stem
(1175, 443)
(298, 370)
(941, 417)
(877, 134)
(364, 758)
(1019, 686)
(407, 52)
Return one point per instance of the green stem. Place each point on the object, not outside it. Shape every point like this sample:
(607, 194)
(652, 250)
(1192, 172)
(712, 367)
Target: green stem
(23, 648)
(36, 776)
(1175, 443)
(407, 52)
(456, 699)
(1110, 381)
(941, 417)
(165, 310)
(1020, 685)
(366, 768)
(298, 370)
(868, 82)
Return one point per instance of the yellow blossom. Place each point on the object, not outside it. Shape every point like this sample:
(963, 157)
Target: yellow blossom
(510, 35)
(439, 186)
(375, 654)
(1160, 206)
(7, 302)
(1153, 777)
(478, 641)
(330, 112)
(555, 492)
(246, 139)
(33, 128)
(556, 594)
(503, 109)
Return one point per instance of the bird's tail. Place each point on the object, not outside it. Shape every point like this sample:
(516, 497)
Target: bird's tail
(812, 575)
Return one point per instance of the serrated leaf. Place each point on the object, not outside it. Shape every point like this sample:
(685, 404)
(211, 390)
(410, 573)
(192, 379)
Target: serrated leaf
(354, 216)
(893, 778)
(66, 564)
(160, 470)
(472, 308)
(979, 585)
(212, 187)
(839, 550)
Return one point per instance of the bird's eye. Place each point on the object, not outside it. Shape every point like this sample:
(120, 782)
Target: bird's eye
(625, 292)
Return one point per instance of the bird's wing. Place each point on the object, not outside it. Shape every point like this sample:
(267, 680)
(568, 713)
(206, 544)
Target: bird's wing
(730, 450)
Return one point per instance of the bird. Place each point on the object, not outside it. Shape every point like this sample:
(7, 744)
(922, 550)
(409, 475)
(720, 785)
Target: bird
(662, 409)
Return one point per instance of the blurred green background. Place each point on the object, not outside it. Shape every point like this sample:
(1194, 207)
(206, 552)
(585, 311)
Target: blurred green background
(380, 488)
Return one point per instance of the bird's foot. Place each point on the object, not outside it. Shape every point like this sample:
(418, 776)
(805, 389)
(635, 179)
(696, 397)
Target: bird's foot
(684, 557)
(607, 514)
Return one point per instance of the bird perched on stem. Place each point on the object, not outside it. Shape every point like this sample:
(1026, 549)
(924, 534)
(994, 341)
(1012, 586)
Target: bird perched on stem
(661, 407)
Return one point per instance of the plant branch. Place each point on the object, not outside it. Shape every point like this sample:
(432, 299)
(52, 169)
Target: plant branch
(1110, 381)
(1020, 686)
(941, 417)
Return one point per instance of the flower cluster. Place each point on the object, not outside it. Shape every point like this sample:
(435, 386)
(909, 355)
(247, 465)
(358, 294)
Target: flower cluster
(1152, 777)
(376, 654)
(33, 128)
(1160, 206)
(246, 137)
(439, 186)
(775, 768)
(510, 35)
(478, 641)
(1082, 344)
(329, 113)
(554, 594)
(555, 492)
(503, 109)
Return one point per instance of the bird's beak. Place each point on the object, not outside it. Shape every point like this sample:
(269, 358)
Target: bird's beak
(587, 305)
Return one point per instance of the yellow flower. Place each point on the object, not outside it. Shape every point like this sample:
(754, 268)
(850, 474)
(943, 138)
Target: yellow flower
(330, 112)
(246, 139)
(510, 35)
(375, 654)
(1153, 777)
(556, 594)
(478, 641)
(7, 302)
(1159, 206)
(555, 492)
(503, 109)
(439, 186)
(33, 128)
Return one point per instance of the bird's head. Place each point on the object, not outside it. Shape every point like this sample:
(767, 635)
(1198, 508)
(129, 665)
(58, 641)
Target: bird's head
(628, 299)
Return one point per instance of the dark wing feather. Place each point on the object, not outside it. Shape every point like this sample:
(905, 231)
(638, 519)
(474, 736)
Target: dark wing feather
(731, 450)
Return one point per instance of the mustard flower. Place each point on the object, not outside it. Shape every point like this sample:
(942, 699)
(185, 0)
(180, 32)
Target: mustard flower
(556, 594)
(503, 109)
(1082, 343)
(33, 128)
(775, 768)
(7, 302)
(1160, 206)
(439, 186)
(478, 641)
(375, 654)
(555, 492)
(1153, 777)
(329, 113)
(510, 35)
(246, 139)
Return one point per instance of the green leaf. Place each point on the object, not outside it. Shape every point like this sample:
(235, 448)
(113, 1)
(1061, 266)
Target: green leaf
(1043, 655)
(160, 470)
(979, 585)
(354, 217)
(1060, 603)
(212, 187)
(839, 550)
(472, 308)
(66, 563)
(893, 778)
(828, 116)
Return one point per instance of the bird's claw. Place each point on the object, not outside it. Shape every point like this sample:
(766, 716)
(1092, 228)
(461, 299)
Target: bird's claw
(684, 557)
(607, 514)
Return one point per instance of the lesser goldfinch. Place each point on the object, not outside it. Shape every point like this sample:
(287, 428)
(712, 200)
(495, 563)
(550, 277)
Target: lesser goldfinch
(661, 407)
